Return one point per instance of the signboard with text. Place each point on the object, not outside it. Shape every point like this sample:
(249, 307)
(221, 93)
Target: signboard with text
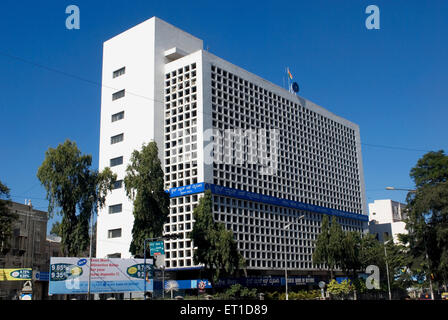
(156, 247)
(17, 274)
(71, 275)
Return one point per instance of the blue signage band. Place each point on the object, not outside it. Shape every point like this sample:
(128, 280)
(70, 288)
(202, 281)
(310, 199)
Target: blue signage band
(257, 197)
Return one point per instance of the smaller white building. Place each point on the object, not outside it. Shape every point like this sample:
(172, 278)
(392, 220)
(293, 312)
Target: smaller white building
(386, 218)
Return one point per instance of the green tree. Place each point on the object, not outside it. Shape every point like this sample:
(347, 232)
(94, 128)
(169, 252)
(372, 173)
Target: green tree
(370, 251)
(144, 185)
(340, 290)
(335, 245)
(350, 262)
(74, 191)
(427, 220)
(56, 229)
(7, 217)
(351, 247)
(216, 248)
(329, 247)
(320, 254)
(399, 260)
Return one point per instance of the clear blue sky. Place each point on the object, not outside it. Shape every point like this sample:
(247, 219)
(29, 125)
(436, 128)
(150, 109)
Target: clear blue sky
(392, 81)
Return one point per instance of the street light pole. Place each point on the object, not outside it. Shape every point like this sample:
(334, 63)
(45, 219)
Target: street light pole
(175, 236)
(401, 189)
(387, 270)
(90, 250)
(144, 269)
(286, 269)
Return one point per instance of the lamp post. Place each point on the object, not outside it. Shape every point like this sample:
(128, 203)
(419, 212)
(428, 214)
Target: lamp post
(286, 227)
(387, 269)
(90, 248)
(401, 189)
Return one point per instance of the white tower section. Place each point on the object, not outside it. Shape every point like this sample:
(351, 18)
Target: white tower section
(132, 114)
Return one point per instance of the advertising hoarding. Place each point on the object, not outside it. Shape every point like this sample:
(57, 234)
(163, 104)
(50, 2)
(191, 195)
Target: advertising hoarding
(71, 275)
(16, 274)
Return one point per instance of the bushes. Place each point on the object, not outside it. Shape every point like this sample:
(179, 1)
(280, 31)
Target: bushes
(340, 290)
(237, 291)
(299, 295)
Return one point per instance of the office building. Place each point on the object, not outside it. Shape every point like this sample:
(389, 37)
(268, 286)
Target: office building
(28, 247)
(268, 155)
(386, 219)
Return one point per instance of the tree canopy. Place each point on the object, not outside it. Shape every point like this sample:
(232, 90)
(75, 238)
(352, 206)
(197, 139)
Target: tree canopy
(216, 248)
(320, 254)
(427, 216)
(7, 217)
(144, 185)
(74, 191)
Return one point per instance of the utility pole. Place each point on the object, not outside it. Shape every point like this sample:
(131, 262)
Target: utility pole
(90, 249)
(168, 237)
(286, 269)
(387, 270)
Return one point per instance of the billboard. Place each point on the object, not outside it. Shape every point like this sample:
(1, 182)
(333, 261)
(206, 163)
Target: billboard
(17, 274)
(71, 275)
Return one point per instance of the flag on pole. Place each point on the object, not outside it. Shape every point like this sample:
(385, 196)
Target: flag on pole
(289, 74)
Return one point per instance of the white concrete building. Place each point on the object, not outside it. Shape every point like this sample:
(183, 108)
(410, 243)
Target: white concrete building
(268, 155)
(386, 219)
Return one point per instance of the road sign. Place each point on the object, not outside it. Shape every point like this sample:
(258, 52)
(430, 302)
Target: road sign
(41, 275)
(156, 247)
(201, 286)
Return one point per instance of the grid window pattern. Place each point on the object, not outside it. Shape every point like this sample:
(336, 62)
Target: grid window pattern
(257, 229)
(181, 165)
(317, 156)
(179, 253)
(261, 239)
